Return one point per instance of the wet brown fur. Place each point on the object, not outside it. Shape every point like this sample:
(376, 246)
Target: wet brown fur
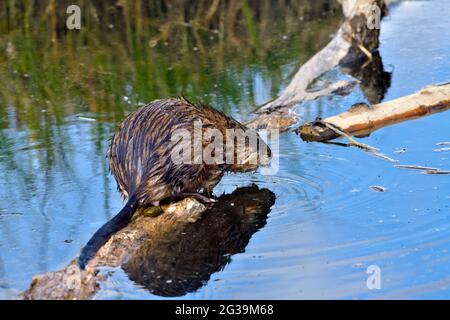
(140, 151)
(140, 158)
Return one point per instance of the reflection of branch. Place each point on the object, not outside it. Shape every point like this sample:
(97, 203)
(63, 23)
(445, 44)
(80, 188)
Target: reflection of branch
(353, 48)
(149, 247)
(211, 11)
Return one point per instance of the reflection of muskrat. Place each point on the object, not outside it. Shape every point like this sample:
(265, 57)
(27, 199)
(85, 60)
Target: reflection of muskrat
(174, 263)
(140, 157)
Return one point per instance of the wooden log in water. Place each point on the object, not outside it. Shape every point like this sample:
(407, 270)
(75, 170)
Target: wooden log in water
(170, 252)
(361, 120)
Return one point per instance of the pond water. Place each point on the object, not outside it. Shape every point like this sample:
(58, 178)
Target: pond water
(63, 92)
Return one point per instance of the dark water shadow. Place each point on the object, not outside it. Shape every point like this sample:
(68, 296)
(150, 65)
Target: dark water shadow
(184, 261)
(370, 71)
(375, 80)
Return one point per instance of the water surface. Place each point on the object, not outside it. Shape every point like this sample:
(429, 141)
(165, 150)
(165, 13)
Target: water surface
(62, 94)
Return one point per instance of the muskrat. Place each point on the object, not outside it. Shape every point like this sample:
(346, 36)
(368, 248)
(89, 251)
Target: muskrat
(140, 159)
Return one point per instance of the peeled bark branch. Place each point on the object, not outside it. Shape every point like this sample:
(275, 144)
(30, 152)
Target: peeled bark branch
(351, 47)
(361, 120)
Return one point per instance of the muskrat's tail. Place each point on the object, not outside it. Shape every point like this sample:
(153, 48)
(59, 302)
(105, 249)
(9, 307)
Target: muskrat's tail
(106, 231)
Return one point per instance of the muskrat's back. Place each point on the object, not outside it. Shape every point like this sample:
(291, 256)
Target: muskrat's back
(140, 150)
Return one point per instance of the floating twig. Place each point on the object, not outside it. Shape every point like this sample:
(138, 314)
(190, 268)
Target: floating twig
(415, 167)
(382, 156)
(441, 149)
(426, 170)
(437, 172)
(352, 142)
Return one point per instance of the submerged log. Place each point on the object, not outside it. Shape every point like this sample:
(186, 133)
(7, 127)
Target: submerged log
(361, 120)
(170, 254)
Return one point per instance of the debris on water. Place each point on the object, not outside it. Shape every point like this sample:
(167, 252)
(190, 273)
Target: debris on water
(400, 150)
(382, 156)
(378, 188)
(441, 149)
(68, 241)
(426, 170)
(415, 167)
(437, 171)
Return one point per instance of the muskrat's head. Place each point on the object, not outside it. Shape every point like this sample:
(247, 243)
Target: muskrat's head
(250, 151)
